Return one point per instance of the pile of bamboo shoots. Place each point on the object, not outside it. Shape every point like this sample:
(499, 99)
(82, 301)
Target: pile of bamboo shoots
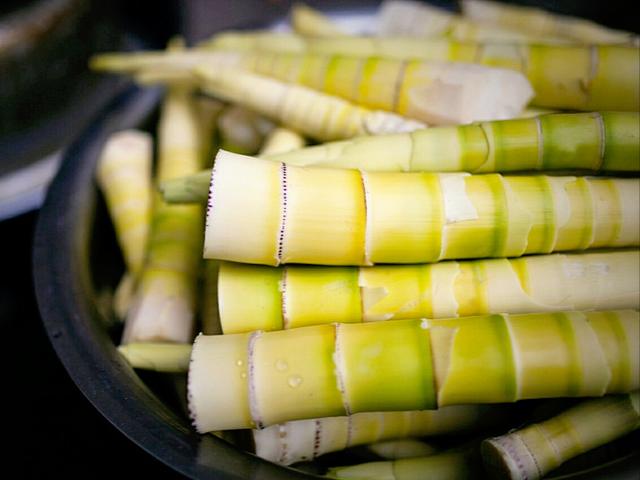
(389, 244)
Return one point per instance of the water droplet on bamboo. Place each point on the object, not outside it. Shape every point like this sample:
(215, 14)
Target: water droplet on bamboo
(294, 381)
(243, 375)
(239, 363)
(281, 365)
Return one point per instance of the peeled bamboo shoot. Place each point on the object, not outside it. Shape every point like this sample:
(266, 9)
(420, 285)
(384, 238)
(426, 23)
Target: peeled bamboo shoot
(165, 303)
(370, 218)
(581, 141)
(317, 115)
(435, 92)
(297, 295)
(539, 448)
(124, 176)
(305, 440)
(341, 369)
(600, 77)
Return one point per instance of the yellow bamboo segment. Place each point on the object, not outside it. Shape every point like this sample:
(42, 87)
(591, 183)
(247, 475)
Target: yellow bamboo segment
(536, 21)
(314, 114)
(602, 77)
(124, 176)
(537, 449)
(455, 216)
(305, 440)
(332, 370)
(164, 308)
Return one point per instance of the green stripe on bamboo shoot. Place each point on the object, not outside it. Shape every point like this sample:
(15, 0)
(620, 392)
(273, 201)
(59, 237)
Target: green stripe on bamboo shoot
(332, 370)
(315, 114)
(563, 76)
(288, 218)
(539, 448)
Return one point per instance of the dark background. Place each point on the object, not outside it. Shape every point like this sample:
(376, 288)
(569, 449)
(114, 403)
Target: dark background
(53, 430)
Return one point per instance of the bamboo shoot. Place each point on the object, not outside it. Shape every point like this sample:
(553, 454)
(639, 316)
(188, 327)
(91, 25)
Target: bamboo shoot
(342, 369)
(297, 295)
(375, 217)
(539, 448)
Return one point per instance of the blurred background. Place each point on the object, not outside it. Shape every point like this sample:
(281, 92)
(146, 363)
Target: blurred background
(47, 97)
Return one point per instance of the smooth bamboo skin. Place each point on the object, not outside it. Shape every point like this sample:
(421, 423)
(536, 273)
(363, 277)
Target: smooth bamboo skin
(305, 440)
(535, 450)
(450, 465)
(342, 369)
(377, 217)
(124, 176)
(159, 357)
(542, 23)
(165, 304)
(314, 114)
(595, 142)
(311, 22)
(601, 77)
(419, 19)
(298, 295)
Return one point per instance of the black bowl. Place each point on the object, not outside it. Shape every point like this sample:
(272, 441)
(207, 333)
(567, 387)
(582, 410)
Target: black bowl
(75, 256)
